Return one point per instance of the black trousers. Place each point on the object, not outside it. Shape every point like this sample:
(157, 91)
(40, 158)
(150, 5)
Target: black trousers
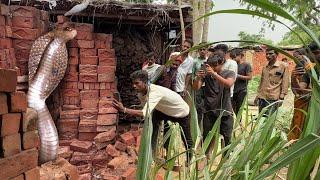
(184, 122)
(262, 103)
(237, 100)
(226, 126)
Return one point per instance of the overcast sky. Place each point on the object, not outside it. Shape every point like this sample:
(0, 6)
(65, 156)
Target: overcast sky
(227, 26)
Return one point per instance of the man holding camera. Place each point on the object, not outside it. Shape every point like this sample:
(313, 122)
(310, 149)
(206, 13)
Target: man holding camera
(217, 99)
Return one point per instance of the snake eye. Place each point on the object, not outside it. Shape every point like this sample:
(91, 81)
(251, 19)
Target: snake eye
(67, 29)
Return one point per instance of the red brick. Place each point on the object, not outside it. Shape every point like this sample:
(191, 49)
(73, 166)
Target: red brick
(83, 35)
(85, 43)
(81, 158)
(100, 44)
(106, 77)
(24, 11)
(65, 152)
(25, 33)
(68, 135)
(69, 114)
(106, 93)
(62, 19)
(65, 142)
(22, 44)
(127, 138)
(19, 163)
(106, 119)
(107, 61)
(80, 85)
(85, 60)
(83, 169)
(73, 68)
(81, 146)
(102, 36)
(2, 32)
(110, 110)
(3, 103)
(18, 101)
(120, 146)
(84, 27)
(86, 86)
(70, 85)
(20, 177)
(89, 94)
(86, 176)
(89, 114)
(24, 22)
(68, 125)
(130, 174)
(30, 140)
(100, 158)
(74, 52)
(2, 20)
(33, 174)
(88, 77)
(105, 102)
(105, 128)
(71, 92)
(10, 124)
(96, 86)
(89, 104)
(9, 31)
(88, 52)
(70, 107)
(92, 86)
(106, 69)
(5, 43)
(105, 136)
(87, 69)
(11, 145)
(73, 44)
(109, 176)
(118, 163)
(87, 126)
(4, 64)
(4, 9)
(73, 60)
(22, 54)
(112, 151)
(87, 136)
(8, 80)
(106, 53)
(71, 76)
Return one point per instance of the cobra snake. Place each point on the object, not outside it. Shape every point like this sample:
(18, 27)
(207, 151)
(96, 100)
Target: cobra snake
(47, 65)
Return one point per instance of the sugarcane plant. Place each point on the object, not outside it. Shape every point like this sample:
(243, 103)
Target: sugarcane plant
(258, 149)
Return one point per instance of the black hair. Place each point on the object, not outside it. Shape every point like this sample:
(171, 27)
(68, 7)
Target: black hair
(313, 46)
(301, 51)
(222, 47)
(142, 75)
(216, 59)
(269, 49)
(189, 41)
(236, 52)
(150, 54)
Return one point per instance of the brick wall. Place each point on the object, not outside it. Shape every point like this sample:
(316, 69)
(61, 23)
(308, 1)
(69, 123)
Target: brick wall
(19, 136)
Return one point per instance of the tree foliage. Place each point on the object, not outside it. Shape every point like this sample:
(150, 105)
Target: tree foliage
(291, 39)
(243, 36)
(307, 11)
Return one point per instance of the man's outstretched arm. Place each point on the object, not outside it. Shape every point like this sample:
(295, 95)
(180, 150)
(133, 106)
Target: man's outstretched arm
(119, 106)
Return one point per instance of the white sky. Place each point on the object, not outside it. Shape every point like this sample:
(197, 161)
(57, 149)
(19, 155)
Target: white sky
(227, 26)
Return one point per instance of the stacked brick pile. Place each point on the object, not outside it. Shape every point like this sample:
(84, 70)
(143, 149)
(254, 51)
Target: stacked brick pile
(19, 27)
(19, 136)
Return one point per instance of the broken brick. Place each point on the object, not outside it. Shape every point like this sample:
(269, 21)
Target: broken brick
(105, 136)
(65, 152)
(87, 136)
(81, 146)
(120, 146)
(112, 151)
(127, 138)
(120, 162)
(130, 174)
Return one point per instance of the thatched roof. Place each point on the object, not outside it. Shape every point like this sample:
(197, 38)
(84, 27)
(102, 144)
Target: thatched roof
(159, 13)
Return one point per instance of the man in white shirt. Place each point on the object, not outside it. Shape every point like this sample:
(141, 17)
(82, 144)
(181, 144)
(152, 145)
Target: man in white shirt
(230, 64)
(185, 70)
(164, 104)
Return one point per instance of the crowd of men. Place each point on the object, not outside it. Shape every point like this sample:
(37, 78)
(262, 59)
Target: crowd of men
(218, 84)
